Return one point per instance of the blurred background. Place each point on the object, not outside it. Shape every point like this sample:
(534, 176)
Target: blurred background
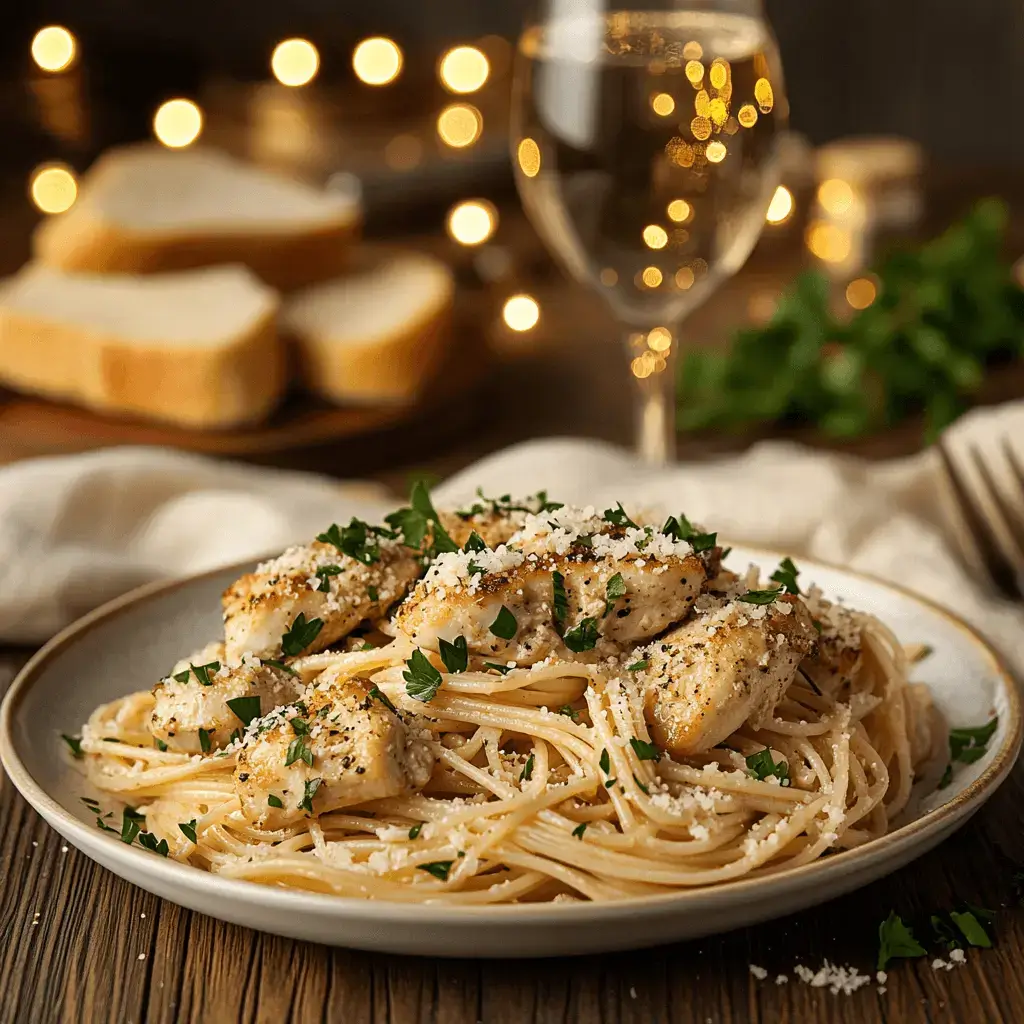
(901, 119)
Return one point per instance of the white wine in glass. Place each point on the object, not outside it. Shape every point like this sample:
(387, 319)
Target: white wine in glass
(645, 143)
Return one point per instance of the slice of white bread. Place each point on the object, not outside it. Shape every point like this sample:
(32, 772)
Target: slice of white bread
(377, 334)
(145, 209)
(198, 348)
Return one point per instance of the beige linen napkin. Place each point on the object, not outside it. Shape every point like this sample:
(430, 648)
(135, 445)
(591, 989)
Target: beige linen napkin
(78, 530)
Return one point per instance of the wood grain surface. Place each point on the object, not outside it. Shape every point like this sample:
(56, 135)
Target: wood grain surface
(78, 944)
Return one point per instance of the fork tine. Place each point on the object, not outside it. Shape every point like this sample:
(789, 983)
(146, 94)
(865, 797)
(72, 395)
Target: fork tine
(1017, 472)
(986, 543)
(1006, 513)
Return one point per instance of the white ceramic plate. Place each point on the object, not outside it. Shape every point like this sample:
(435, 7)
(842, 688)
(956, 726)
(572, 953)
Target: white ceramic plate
(131, 641)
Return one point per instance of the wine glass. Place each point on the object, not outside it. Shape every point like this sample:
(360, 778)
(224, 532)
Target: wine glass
(645, 142)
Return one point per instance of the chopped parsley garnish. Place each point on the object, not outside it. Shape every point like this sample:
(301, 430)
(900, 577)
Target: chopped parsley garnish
(366, 647)
(475, 543)
(761, 596)
(580, 829)
(201, 672)
(422, 680)
(298, 751)
(414, 832)
(182, 677)
(204, 741)
(614, 589)
(372, 593)
(582, 636)
(504, 505)
(74, 742)
(454, 655)
(274, 663)
(414, 522)
(610, 783)
(300, 635)
(762, 767)
(131, 825)
(947, 776)
(617, 517)
(244, 708)
(527, 773)
(502, 669)
(895, 939)
(605, 763)
(570, 712)
(560, 600)
(299, 726)
(504, 626)
(726, 552)
(680, 528)
(308, 792)
(275, 801)
(967, 745)
(148, 841)
(638, 666)
(357, 540)
(188, 829)
(644, 750)
(377, 694)
(643, 789)
(324, 574)
(786, 575)
(160, 745)
(437, 868)
(971, 928)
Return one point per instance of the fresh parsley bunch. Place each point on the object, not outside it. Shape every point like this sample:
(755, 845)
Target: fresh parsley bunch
(944, 313)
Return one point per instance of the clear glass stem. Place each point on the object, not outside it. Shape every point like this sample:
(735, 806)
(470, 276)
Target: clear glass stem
(654, 375)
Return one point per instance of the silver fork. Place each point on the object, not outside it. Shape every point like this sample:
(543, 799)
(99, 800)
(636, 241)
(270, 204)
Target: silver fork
(994, 518)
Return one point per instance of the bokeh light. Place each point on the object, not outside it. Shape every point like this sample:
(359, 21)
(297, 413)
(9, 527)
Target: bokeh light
(459, 125)
(719, 73)
(609, 277)
(464, 69)
(651, 277)
(781, 206)
(715, 152)
(836, 196)
(693, 50)
(684, 278)
(377, 61)
(521, 312)
(828, 242)
(528, 155)
(701, 128)
(694, 71)
(472, 222)
(679, 210)
(718, 112)
(295, 62)
(861, 292)
(403, 152)
(177, 123)
(659, 339)
(53, 188)
(54, 48)
(702, 104)
(747, 115)
(655, 236)
(662, 104)
(679, 151)
(764, 95)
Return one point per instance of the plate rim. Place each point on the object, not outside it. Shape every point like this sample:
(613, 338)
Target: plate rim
(85, 837)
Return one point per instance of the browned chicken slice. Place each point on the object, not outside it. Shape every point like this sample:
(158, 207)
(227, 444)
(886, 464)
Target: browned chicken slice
(577, 587)
(728, 665)
(338, 747)
(201, 695)
(318, 582)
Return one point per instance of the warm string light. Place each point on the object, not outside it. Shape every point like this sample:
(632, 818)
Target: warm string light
(781, 206)
(528, 155)
(828, 242)
(459, 125)
(836, 197)
(295, 62)
(684, 278)
(177, 123)
(651, 277)
(53, 188)
(662, 104)
(747, 115)
(861, 292)
(716, 152)
(659, 339)
(464, 69)
(472, 222)
(521, 312)
(679, 210)
(655, 236)
(377, 61)
(403, 152)
(764, 95)
(54, 48)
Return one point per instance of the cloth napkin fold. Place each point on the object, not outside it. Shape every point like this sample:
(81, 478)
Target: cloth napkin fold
(78, 530)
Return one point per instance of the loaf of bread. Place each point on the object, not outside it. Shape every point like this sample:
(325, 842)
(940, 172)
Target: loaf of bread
(377, 334)
(198, 348)
(145, 209)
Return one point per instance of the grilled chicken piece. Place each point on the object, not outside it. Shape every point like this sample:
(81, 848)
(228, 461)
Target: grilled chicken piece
(359, 750)
(493, 528)
(838, 653)
(615, 594)
(729, 665)
(261, 607)
(184, 704)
